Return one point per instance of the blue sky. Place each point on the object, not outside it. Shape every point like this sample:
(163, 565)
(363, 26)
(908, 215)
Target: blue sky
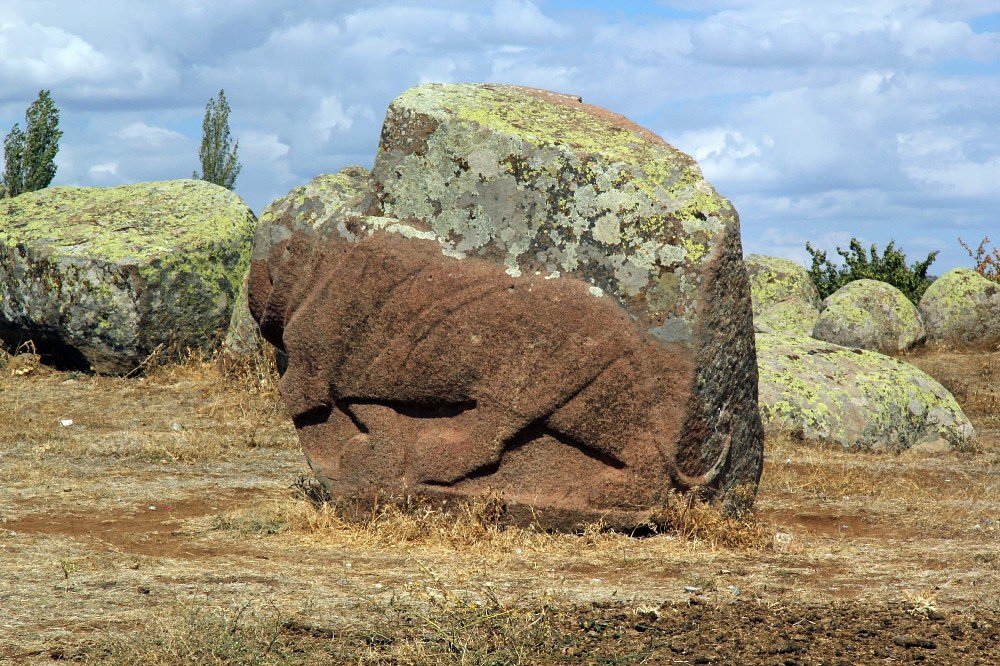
(820, 121)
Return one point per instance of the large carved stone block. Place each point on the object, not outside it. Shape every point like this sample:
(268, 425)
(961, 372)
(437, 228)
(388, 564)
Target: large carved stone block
(543, 300)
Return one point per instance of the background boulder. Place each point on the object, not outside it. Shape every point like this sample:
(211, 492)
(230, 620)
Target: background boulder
(563, 204)
(855, 398)
(871, 315)
(962, 309)
(100, 277)
(785, 300)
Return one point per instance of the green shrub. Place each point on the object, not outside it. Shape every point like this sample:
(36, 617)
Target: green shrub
(890, 267)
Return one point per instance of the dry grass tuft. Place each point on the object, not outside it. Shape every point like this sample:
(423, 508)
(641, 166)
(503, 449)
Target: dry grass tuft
(422, 625)
(692, 520)
(195, 634)
(433, 624)
(257, 368)
(186, 412)
(478, 526)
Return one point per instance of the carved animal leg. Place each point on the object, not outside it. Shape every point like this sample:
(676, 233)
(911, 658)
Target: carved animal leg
(448, 450)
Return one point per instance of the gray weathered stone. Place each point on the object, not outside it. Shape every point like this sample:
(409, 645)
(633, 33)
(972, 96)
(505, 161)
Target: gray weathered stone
(100, 277)
(854, 398)
(872, 315)
(962, 309)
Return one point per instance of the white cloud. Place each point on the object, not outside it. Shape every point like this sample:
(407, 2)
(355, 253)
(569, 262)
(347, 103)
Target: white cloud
(47, 55)
(258, 145)
(725, 154)
(104, 172)
(330, 116)
(826, 120)
(148, 136)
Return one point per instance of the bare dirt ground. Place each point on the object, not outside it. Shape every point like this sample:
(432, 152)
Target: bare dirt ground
(164, 526)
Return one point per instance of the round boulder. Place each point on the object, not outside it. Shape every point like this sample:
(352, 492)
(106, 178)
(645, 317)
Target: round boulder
(854, 398)
(99, 278)
(871, 315)
(785, 300)
(962, 309)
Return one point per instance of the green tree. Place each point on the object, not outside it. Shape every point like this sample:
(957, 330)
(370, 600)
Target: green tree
(29, 155)
(13, 161)
(890, 267)
(219, 163)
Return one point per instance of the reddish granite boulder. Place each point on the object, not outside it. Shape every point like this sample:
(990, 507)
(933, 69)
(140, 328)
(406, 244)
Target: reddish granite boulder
(583, 349)
(412, 370)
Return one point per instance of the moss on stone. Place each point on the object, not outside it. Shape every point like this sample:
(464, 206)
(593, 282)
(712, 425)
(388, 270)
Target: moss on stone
(116, 272)
(785, 300)
(872, 315)
(962, 308)
(789, 317)
(553, 186)
(852, 397)
(126, 224)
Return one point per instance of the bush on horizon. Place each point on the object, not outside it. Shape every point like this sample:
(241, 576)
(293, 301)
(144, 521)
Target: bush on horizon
(890, 267)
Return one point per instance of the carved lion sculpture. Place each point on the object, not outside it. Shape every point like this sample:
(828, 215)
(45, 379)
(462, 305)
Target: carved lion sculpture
(409, 371)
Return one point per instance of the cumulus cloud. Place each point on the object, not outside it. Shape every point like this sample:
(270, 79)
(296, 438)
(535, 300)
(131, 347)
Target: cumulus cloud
(104, 172)
(820, 121)
(47, 55)
(144, 135)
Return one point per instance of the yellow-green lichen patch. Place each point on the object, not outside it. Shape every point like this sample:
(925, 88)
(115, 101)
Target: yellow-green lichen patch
(553, 186)
(851, 397)
(115, 273)
(789, 317)
(544, 119)
(128, 224)
(962, 308)
(785, 300)
(773, 280)
(872, 315)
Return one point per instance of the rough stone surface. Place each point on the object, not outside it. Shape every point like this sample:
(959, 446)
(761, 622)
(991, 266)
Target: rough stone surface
(308, 208)
(872, 315)
(100, 277)
(855, 398)
(785, 300)
(549, 301)
(962, 309)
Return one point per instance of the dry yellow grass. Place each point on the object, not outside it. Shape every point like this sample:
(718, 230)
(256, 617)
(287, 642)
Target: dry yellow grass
(121, 535)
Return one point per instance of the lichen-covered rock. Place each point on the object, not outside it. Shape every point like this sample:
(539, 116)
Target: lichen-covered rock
(851, 397)
(962, 309)
(871, 315)
(309, 208)
(785, 300)
(508, 228)
(100, 277)
(544, 184)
